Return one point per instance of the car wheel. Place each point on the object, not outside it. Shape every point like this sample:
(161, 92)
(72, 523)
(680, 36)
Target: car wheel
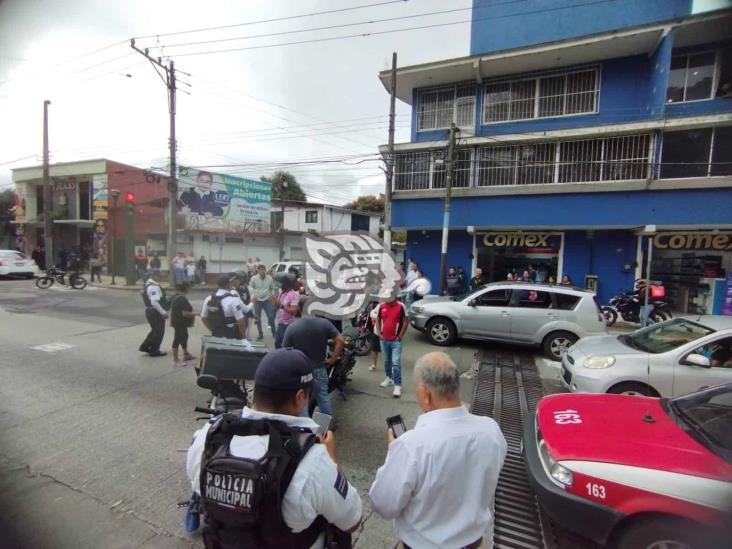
(557, 343)
(610, 314)
(662, 533)
(633, 388)
(441, 331)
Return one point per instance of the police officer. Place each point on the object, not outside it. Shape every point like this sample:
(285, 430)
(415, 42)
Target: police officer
(155, 302)
(317, 488)
(223, 311)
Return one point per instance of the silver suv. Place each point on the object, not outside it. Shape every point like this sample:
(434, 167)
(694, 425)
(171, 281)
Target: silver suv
(553, 317)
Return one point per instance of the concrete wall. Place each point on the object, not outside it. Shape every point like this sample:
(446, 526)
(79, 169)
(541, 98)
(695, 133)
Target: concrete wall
(682, 207)
(500, 25)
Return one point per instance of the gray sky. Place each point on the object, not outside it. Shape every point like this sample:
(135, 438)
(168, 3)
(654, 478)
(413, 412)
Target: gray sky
(244, 106)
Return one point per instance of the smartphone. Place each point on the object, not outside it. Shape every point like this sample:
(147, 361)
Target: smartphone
(396, 424)
(323, 421)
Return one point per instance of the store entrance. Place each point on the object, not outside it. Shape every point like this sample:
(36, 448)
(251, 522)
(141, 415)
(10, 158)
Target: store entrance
(512, 253)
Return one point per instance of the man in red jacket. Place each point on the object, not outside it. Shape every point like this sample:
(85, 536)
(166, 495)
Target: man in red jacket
(390, 326)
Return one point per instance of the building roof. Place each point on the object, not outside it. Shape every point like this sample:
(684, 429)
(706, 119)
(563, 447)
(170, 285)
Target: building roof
(305, 205)
(643, 39)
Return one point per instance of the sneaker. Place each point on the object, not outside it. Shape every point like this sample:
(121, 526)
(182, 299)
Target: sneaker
(189, 357)
(372, 368)
(259, 338)
(158, 353)
(397, 391)
(386, 383)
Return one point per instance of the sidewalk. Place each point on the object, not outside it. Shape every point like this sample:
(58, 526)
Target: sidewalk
(121, 284)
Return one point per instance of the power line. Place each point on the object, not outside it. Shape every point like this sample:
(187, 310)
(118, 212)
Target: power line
(287, 18)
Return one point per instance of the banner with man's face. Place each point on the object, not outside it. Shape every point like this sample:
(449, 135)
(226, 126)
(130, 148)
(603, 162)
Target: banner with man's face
(223, 203)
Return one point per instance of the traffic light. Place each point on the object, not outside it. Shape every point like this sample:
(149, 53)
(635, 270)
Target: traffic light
(130, 203)
(130, 274)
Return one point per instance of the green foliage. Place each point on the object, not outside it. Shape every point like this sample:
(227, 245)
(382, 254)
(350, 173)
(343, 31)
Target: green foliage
(368, 203)
(284, 185)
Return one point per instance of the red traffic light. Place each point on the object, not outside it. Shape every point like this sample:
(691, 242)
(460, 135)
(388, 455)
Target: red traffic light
(130, 197)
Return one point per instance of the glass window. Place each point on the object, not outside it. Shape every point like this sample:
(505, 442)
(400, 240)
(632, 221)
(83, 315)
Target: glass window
(722, 151)
(551, 95)
(685, 154)
(708, 416)
(535, 164)
(461, 176)
(497, 100)
(494, 298)
(496, 166)
(437, 109)
(691, 77)
(580, 161)
(665, 337)
(581, 92)
(566, 302)
(533, 299)
(311, 216)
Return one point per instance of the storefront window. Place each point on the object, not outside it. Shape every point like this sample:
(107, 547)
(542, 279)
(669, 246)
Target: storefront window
(686, 154)
(722, 152)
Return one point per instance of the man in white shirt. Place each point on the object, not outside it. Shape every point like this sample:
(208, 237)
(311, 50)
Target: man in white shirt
(439, 479)
(282, 387)
(152, 295)
(417, 289)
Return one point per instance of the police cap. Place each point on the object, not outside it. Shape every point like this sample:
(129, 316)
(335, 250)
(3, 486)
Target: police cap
(285, 370)
(226, 279)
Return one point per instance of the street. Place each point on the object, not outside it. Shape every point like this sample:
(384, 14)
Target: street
(93, 434)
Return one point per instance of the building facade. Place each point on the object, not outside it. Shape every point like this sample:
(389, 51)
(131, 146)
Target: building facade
(580, 129)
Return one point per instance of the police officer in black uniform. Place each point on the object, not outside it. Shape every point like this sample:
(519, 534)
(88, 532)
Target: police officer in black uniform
(264, 479)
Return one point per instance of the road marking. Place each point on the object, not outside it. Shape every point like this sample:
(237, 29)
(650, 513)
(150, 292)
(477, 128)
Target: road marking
(53, 347)
(60, 288)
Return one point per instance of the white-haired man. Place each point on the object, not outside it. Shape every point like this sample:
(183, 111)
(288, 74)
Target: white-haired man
(439, 479)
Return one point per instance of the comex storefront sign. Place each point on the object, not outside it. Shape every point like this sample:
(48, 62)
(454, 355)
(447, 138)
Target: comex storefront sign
(544, 241)
(693, 241)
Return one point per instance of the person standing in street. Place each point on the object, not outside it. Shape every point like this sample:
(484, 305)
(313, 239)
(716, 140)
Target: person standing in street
(478, 280)
(223, 311)
(263, 292)
(201, 271)
(97, 262)
(452, 282)
(155, 265)
(310, 334)
(181, 318)
(417, 289)
(390, 326)
(288, 302)
(179, 267)
(155, 303)
(435, 500)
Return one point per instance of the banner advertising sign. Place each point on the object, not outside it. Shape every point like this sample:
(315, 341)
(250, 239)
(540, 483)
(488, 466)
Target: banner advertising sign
(100, 197)
(524, 242)
(223, 203)
(716, 241)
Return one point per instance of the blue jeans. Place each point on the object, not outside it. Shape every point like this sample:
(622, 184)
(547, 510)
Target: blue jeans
(179, 275)
(321, 395)
(269, 310)
(280, 335)
(392, 351)
(645, 315)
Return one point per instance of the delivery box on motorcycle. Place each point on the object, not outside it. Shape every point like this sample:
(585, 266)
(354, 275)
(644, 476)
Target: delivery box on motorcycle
(231, 358)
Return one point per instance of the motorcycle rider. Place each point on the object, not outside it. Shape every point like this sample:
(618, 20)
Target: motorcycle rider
(236, 458)
(223, 311)
(644, 311)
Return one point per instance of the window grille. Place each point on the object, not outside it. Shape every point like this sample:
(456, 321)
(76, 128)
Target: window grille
(439, 108)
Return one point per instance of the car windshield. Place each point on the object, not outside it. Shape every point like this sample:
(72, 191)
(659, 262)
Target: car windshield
(661, 338)
(707, 416)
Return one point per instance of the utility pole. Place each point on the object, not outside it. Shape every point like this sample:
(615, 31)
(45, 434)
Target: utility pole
(47, 195)
(390, 156)
(282, 187)
(170, 84)
(446, 215)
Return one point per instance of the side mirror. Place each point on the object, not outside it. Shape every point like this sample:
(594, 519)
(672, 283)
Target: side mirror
(697, 360)
(472, 303)
(206, 381)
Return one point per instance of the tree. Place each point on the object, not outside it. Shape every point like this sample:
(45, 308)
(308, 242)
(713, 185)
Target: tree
(368, 203)
(286, 186)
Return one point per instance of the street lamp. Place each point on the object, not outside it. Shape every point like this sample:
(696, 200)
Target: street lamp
(113, 228)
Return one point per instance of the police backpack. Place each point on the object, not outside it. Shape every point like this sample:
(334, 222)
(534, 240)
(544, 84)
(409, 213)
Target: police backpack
(241, 498)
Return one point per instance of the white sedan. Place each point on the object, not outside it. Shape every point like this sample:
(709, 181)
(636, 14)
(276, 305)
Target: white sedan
(671, 358)
(16, 264)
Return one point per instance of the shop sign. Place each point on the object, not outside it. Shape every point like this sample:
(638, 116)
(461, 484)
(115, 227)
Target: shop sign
(65, 185)
(693, 241)
(540, 241)
(100, 197)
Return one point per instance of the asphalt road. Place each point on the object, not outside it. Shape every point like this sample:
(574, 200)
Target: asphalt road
(93, 434)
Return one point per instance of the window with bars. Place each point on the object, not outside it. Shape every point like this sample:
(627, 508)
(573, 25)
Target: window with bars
(428, 170)
(541, 97)
(606, 159)
(697, 153)
(439, 108)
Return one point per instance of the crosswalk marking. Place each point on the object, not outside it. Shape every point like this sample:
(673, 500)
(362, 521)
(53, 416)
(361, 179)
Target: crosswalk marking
(53, 347)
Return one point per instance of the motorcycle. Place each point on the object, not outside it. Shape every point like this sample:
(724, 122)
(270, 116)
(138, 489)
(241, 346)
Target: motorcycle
(76, 281)
(627, 306)
(361, 336)
(340, 374)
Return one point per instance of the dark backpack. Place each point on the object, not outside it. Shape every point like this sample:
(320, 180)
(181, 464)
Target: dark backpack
(163, 299)
(242, 498)
(216, 318)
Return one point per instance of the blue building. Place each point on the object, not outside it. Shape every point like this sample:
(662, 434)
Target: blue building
(580, 124)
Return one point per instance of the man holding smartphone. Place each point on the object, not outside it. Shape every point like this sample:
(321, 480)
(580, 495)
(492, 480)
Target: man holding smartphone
(439, 479)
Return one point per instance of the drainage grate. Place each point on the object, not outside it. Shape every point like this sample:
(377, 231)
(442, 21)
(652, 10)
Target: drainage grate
(507, 389)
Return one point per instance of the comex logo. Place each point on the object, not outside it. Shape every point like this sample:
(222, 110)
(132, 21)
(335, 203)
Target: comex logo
(342, 270)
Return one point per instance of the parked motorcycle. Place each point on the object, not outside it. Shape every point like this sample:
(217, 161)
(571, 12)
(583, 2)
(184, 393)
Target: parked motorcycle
(361, 335)
(54, 274)
(627, 306)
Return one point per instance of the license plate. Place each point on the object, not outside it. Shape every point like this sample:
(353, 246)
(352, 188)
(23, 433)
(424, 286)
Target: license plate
(20, 264)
